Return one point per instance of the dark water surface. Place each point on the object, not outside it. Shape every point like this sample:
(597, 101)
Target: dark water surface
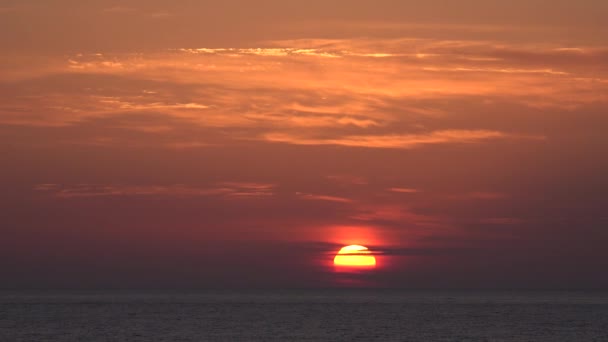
(319, 315)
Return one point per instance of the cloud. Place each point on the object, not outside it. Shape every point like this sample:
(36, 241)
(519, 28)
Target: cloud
(124, 10)
(406, 141)
(501, 220)
(429, 251)
(225, 189)
(328, 198)
(17, 8)
(396, 215)
(160, 15)
(348, 179)
(119, 9)
(289, 92)
(404, 190)
(477, 195)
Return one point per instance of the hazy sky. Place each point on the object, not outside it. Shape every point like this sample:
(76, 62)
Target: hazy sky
(194, 144)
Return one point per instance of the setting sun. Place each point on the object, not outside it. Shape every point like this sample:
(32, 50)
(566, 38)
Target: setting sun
(355, 256)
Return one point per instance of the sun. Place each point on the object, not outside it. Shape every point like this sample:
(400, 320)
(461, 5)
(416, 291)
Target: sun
(355, 256)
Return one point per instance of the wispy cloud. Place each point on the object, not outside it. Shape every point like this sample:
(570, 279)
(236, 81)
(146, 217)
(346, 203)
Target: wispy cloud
(17, 8)
(119, 9)
(396, 214)
(328, 198)
(160, 15)
(124, 10)
(501, 220)
(406, 141)
(477, 195)
(348, 179)
(404, 190)
(226, 189)
(290, 92)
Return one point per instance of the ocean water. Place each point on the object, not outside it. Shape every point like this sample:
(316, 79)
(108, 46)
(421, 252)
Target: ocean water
(319, 315)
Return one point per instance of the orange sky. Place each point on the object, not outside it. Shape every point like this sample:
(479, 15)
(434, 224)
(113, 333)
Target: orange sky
(194, 144)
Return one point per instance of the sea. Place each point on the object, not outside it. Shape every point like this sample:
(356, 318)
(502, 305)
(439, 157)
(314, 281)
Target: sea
(305, 315)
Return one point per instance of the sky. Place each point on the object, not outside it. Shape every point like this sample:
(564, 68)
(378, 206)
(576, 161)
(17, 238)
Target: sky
(241, 144)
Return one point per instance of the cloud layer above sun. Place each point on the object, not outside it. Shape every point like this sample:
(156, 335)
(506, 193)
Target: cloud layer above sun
(397, 93)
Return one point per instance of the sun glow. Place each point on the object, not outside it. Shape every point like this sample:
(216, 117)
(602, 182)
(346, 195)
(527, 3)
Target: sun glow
(355, 256)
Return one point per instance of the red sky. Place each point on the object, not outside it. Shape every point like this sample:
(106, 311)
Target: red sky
(193, 144)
